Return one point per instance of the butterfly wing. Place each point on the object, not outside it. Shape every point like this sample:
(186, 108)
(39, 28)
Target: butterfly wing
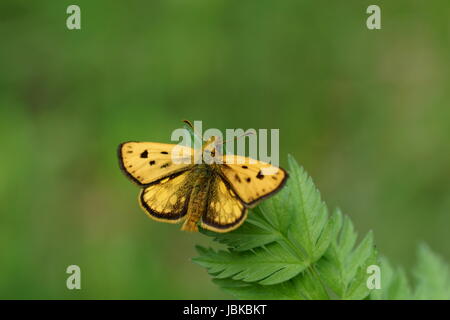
(148, 162)
(224, 211)
(167, 200)
(252, 180)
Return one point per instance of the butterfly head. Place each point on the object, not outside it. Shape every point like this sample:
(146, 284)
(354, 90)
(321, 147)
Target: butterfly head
(212, 151)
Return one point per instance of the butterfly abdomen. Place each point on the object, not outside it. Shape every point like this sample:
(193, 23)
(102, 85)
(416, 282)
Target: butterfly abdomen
(198, 198)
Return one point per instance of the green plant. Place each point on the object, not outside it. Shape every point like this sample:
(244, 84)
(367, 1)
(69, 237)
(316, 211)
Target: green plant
(290, 247)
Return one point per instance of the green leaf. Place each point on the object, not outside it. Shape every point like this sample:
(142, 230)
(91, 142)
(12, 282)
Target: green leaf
(255, 232)
(266, 265)
(252, 291)
(281, 242)
(310, 228)
(291, 248)
(394, 284)
(302, 287)
(309, 286)
(432, 276)
(344, 267)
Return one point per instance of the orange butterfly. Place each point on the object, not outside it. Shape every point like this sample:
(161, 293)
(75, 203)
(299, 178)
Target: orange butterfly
(175, 188)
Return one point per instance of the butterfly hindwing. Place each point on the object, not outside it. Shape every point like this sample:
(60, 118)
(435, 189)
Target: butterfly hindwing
(224, 211)
(167, 200)
(252, 180)
(148, 162)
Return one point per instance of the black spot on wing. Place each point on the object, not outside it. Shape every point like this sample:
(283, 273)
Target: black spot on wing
(248, 180)
(245, 167)
(144, 154)
(164, 152)
(260, 176)
(165, 165)
(152, 162)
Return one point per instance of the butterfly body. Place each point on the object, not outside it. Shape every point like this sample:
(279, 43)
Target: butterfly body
(202, 175)
(217, 194)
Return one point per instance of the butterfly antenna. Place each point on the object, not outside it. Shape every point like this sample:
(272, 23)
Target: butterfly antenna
(189, 123)
(245, 134)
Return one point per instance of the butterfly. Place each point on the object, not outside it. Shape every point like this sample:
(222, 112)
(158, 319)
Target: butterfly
(177, 188)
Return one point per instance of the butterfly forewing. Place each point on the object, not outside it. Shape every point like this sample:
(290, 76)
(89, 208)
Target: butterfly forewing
(252, 180)
(167, 200)
(224, 211)
(147, 162)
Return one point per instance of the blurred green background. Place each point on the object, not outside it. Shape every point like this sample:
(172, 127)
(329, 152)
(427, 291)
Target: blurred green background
(365, 112)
